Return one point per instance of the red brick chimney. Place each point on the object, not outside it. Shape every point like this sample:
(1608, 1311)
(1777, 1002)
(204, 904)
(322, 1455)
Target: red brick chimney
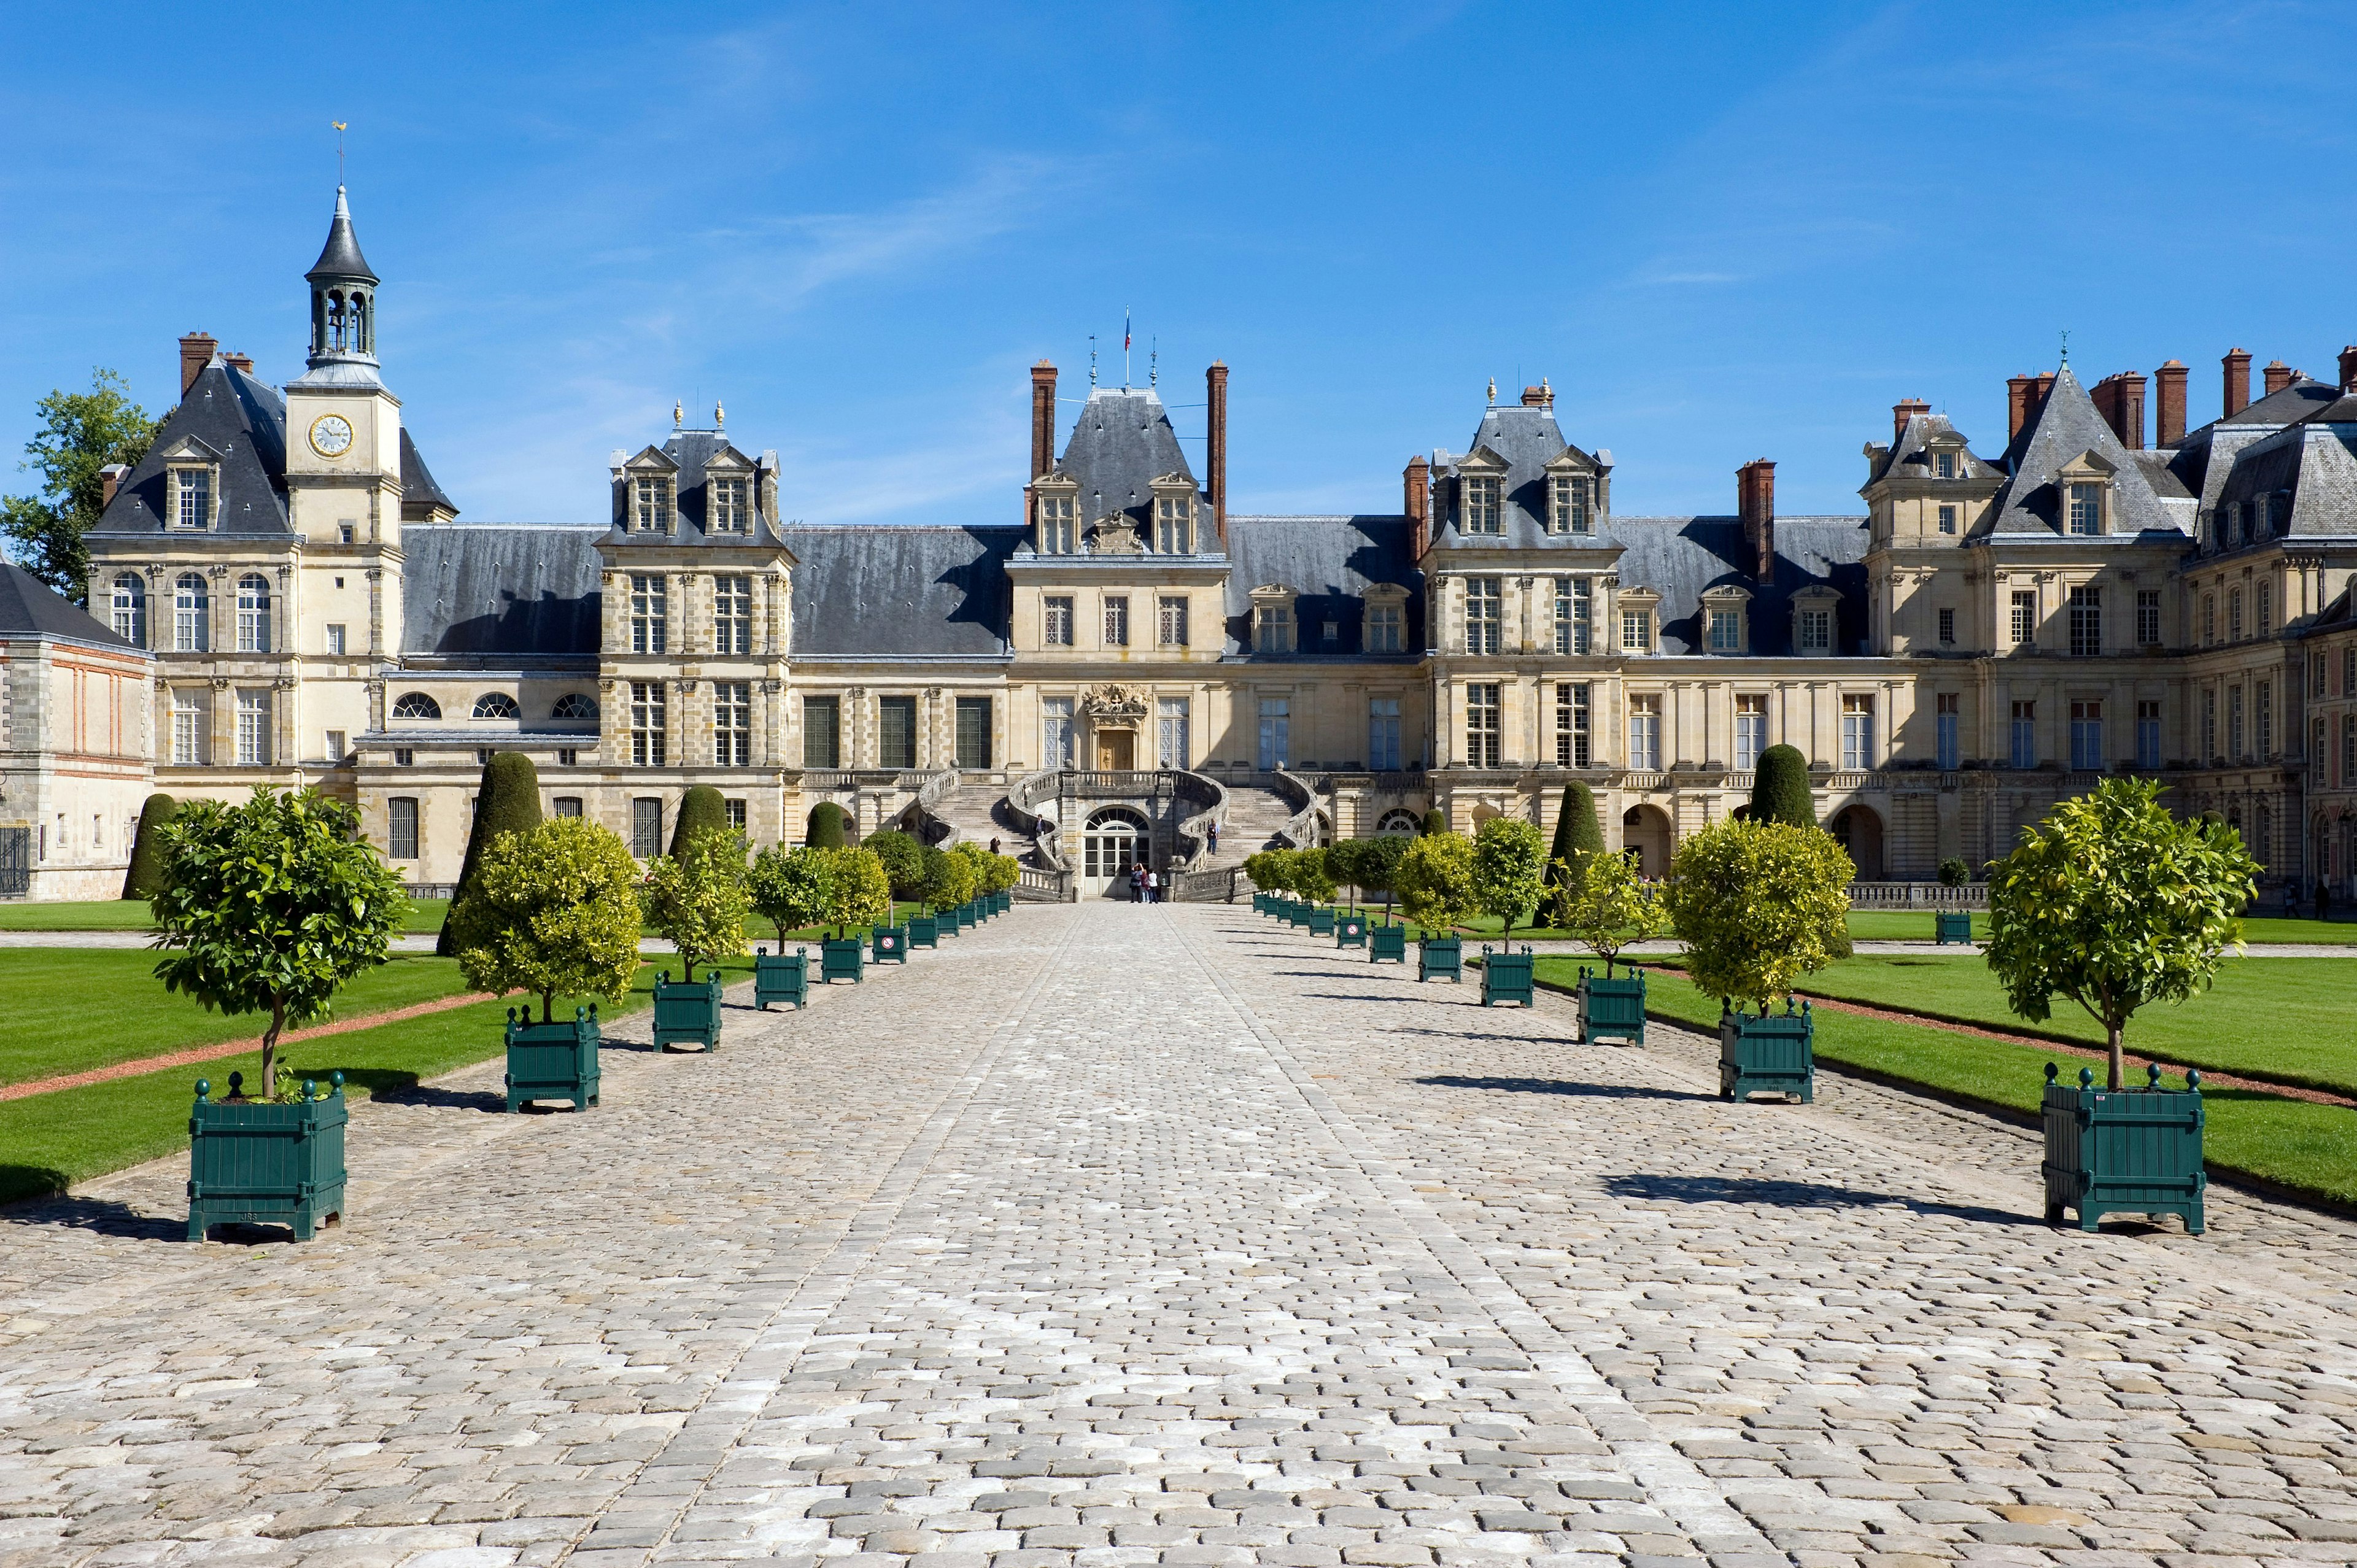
(2237, 363)
(1043, 431)
(1416, 500)
(2349, 367)
(196, 353)
(2017, 405)
(2120, 399)
(241, 361)
(110, 479)
(2041, 389)
(1538, 397)
(1901, 412)
(1215, 445)
(2169, 400)
(1755, 503)
(2278, 376)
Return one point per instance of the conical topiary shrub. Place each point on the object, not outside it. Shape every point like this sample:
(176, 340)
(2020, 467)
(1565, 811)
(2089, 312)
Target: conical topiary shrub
(145, 878)
(508, 801)
(1436, 820)
(825, 830)
(1575, 832)
(701, 811)
(1779, 789)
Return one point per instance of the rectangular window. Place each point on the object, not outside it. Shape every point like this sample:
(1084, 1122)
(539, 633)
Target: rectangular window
(653, 509)
(2025, 735)
(1947, 629)
(1483, 607)
(1174, 525)
(335, 638)
(2086, 509)
(1276, 628)
(337, 746)
(822, 731)
(647, 728)
(2235, 725)
(1950, 718)
(1857, 733)
(2348, 749)
(1947, 516)
(401, 828)
(896, 732)
(2086, 622)
(1275, 732)
(1383, 733)
(2147, 625)
(1645, 734)
(2024, 618)
(1750, 728)
(253, 728)
(2209, 619)
(1170, 620)
(1636, 631)
(732, 614)
(2267, 609)
(1055, 625)
(732, 723)
(646, 827)
(1575, 615)
(567, 805)
(1571, 506)
(195, 486)
(1575, 726)
(1056, 738)
(1174, 746)
(974, 732)
(1482, 724)
(1058, 533)
(1482, 514)
(1116, 620)
(2233, 615)
(2263, 716)
(2148, 736)
(727, 507)
(736, 814)
(1816, 631)
(2087, 738)
(2210, 724)
(1386, 627)
(1943, 465)
(188, 727)
(650, 619)
(1726, 631)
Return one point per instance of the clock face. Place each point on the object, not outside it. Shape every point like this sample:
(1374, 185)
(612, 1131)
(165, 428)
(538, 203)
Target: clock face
(331, 435)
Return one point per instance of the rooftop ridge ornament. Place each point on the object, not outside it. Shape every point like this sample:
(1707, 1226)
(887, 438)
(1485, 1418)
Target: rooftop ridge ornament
(1493, 391)
(678, 413)
(338, 125)
(1092, 358)
(719, 415)
(2066, 348)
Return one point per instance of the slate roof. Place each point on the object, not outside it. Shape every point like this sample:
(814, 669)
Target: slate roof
(1329, 562)
(1910, 457)
(693, 451)
(2204, 458)
(340, 256)
(417, 487)
(2313, 466)
(1120, 445)
(30, 607)
(1528, 439)
(239, 416)
(1680, 558)
(2065, 425)
(871, 592)
(502, 588)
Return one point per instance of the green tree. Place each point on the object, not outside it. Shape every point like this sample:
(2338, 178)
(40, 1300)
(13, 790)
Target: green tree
(698, 899)
(507, 801)
(1436, 820)
(1436, 881)
(1377, 866)
(269, 907)
(1956, 871)
(1608, 906)
(1507, 870)
(1342, 858)
(1261, 867)
(1005, 871)
(863, 896)
(1779, 789)
(825, 828)
(1577, 837)
(80, 433)
(554, 910)
(903, 857)
(1758, 905)
(145, 876)
(793, 888)
(1310, 876)
(948, 879)
(701, 811)
(2114, 903)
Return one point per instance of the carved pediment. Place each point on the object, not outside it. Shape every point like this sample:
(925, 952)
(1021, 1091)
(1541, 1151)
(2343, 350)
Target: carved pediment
(1115, 700)
(1114, 534)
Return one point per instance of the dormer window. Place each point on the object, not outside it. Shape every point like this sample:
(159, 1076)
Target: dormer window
(1638, 632)
(1173, 515)
(1483, 514)
(1272, 621)
(2086, 483)
(2086, 507)
(651, 507)
(1726, 627)
(724, 506)
(1386, 625)
(1943, 464)
(192, 498)
(1568, 510)
(1056, 508)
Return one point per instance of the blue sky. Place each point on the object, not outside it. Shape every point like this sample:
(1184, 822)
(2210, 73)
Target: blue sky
(1722, 231)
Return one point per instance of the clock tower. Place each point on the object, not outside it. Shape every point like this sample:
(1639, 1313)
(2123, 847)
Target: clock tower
(343, 428)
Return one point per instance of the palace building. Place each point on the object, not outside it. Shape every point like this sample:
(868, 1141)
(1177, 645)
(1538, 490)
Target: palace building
(1131, 659)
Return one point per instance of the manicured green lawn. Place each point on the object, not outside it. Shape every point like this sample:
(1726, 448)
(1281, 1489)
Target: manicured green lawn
(133, 914)
(1911, 926)
(49, 1140)
(2293, 1143)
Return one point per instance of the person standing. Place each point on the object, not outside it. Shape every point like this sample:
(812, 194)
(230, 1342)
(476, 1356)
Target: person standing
(1153, 887)
(1215, 838)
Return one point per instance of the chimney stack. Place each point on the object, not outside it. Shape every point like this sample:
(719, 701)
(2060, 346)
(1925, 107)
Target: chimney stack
(2017, 406)
(196, 353)
(2278, 376)
(1538, 397)
(2041, 387)
(1755, 503)
(1043, 431)
(2168, 401)
(240, 361)
(2237, 363)
(1901, 412)
(2120, 399)
(1215, 445)
(1415, 485)
(110, 479)
(2349, 367)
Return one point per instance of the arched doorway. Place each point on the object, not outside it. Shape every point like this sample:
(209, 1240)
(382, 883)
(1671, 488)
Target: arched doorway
(1859, 831)
(1114, 838)
(1646, 831)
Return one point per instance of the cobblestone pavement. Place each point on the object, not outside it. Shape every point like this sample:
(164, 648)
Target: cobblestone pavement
(1108, 1236)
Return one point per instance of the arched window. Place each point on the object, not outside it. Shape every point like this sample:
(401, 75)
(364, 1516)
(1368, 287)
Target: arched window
(252, 614)
(497, 705)
(190, 615)
(131, 609)
(416, 705)
(575, 705)
(1399, 825)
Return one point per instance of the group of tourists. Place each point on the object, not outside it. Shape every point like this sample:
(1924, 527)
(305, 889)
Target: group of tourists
(1146, 884)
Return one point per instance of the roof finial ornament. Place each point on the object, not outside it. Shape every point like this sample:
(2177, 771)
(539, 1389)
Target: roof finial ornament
(2066, 348)
(719, 415)
(338, 125)
(1493, 391)
(1092, 358)
(1153, 359)
(678, 413)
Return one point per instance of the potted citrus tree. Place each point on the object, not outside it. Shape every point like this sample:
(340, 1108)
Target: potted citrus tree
(269, 907)
(1436, 889)
(1603, 902)
(1314, 880)
(949, 885)
(697, 900)
(1508, 872)
(792, 890)
(1376, 867)
(1758, 905)
(554, 911)
(860, 896)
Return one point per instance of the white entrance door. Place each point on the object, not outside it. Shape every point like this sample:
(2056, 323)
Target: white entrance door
(1114, 841)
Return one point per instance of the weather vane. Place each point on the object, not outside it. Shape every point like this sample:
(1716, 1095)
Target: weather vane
(338, 125)
(1092, 358)
(2066, 347)
(1153, 359)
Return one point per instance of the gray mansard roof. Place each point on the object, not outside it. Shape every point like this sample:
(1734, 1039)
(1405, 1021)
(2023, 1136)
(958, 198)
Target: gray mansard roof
(241, 417)
(2066, 425)
(1911, 455)
(30, 607)
(500, 588)
(1681, 558)
(1329, 562)
(881, 591)
(1120, 445)
(1527, 439)
(693, 451)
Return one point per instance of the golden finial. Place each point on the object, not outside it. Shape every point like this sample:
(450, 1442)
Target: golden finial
(678, 414)
(719, 415)
(1493, 391)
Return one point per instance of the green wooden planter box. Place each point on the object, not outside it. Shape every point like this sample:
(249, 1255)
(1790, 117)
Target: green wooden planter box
(974, 913)
(1290, 911)
(924, 932)
(1260, 903)
(889, 944)
(1952, 927)
(261, 1163)
(1321, 922)
(781, 977)
(844, 960)
(1436, 956)
(1506, 977)
(1351, 931)
(1613, 1008)
(1387, 943)
(953, 920)
(553, 1061)
(2136, 1151)
(687, 1012)
(1768, 1054)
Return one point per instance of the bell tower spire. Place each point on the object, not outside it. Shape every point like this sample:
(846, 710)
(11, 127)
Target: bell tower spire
(343, 298)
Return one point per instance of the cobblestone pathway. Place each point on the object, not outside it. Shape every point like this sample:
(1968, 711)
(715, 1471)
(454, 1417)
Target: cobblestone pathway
(1109, 1235)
